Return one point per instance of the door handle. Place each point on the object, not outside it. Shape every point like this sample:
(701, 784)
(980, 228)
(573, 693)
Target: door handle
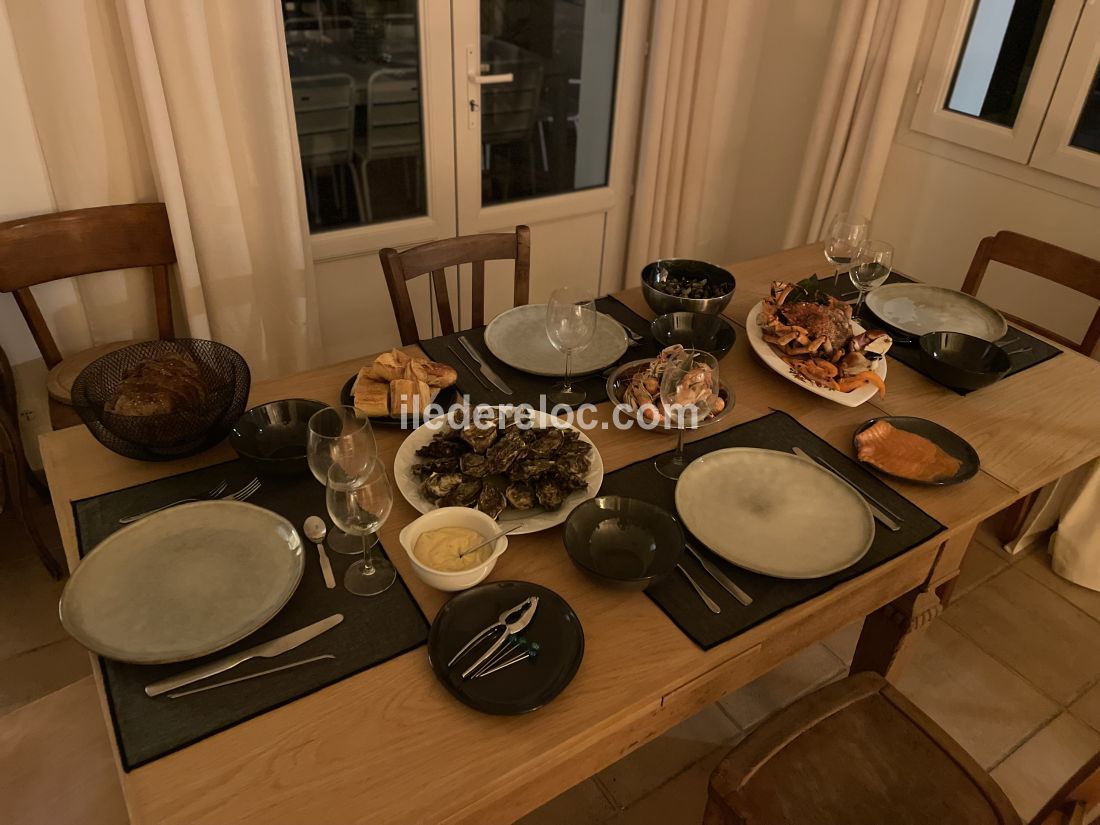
(491, 79)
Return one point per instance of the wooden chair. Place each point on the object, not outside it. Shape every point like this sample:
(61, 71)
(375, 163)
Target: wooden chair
(1070, 269)
(16, 473)
(58, 765)
(857, 752)
(436, 256)
(63, 244)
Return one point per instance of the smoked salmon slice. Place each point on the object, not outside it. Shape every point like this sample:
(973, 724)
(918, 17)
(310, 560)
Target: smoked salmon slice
(904, 454)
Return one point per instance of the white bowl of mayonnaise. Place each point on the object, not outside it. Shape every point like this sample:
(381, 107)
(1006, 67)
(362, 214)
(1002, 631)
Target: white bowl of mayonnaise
(435, 540)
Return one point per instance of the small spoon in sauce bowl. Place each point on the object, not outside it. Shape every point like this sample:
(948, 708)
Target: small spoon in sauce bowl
(491, 539)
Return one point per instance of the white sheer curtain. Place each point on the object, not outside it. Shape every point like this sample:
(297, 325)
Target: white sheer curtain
(862, 95)
(690, 136)
(188, 102)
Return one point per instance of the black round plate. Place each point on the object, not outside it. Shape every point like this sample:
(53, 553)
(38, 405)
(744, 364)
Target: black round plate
(526, 685)
(445, 398)
(940, 436)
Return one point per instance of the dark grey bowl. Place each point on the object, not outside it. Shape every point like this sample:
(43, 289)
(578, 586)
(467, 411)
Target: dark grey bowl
(710, 333)
(623, 542)
(273, 437)
(662, 303)
(962, 362)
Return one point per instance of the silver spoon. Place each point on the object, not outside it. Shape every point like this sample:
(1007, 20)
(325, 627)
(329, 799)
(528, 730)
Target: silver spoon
(316, 531)
(491, 539)
(711, 604)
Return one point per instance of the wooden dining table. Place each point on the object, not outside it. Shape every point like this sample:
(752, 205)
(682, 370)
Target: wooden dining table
(391, 745)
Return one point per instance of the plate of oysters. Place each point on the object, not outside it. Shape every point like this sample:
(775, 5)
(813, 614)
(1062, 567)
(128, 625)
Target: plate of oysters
(516, 465)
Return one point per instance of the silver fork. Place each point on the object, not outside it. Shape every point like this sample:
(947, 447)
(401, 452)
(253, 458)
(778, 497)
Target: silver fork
(634, 337)
(207, 496)
(245, 492)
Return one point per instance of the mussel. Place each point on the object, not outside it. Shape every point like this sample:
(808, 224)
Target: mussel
(479, 436)
(438, 485)
(464, 495)
(520, 495)
(549, 493)
(491, 501)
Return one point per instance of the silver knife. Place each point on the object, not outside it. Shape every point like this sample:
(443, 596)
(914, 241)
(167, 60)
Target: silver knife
(266, 650)
(486, 370)
(721, 577)
(181, 693)
(877, 509)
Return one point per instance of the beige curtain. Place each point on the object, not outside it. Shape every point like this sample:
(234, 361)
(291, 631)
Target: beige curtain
(862, 93)
(185, 101)
(689, 135)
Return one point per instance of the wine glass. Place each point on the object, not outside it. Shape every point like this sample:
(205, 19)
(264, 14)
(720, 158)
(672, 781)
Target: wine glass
(359, 502)
(872, 266)
(570, 325)
(337, 435)
(847, 231)
(689, 393)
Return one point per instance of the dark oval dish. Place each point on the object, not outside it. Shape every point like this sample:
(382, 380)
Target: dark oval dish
(274, 437)
(623, 542)
(445, 398)
(526, 685)
(942, 437)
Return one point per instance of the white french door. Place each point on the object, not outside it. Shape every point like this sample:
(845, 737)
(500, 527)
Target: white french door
(528, 114)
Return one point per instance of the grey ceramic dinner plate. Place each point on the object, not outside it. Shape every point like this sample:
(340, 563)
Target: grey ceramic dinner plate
(915, 309)
(774, 513)
(183, 583)
(518, 338)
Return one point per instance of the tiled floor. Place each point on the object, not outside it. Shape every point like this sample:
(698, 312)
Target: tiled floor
(1012, 671)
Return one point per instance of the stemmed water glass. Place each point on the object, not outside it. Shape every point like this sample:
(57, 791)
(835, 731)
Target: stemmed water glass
(689, 390)
(847, 231)
(337, 435)
(570, 325)
(359, 502)
(872, 266)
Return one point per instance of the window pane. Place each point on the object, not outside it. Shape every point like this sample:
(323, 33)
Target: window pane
(1087, 133)
(355, 74)
(997, 58)
(549, 130)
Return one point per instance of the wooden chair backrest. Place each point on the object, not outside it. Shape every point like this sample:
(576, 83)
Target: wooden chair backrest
(436, 256)
(1054, 263)
(45, 248)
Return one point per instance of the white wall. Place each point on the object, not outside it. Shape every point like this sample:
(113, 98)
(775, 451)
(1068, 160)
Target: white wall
(936, 210)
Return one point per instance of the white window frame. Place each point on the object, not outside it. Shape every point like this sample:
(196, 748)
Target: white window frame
(1053, 151)
(931, 116)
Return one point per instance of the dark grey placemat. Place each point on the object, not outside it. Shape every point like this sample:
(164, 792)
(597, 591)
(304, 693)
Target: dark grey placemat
(776, 431)
(908, 352)
(527, 388)
(374, 629)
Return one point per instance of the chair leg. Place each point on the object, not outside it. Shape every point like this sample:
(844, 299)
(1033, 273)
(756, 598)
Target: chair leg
(16, 480)
(362, 187)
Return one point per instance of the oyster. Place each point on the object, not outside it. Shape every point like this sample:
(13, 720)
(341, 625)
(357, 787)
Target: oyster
(436, 465)
(491, 501)
(463, 495)
(549, 493)
(520, 495)
(479, 437)
(548, 443)
(506, 451)
(442, 448)
(530, 468)
(438, 485)
(474, 465)
(574, 447)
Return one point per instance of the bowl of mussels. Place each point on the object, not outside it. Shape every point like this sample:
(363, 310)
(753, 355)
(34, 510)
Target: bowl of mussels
(515, 466)
(682, 285)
